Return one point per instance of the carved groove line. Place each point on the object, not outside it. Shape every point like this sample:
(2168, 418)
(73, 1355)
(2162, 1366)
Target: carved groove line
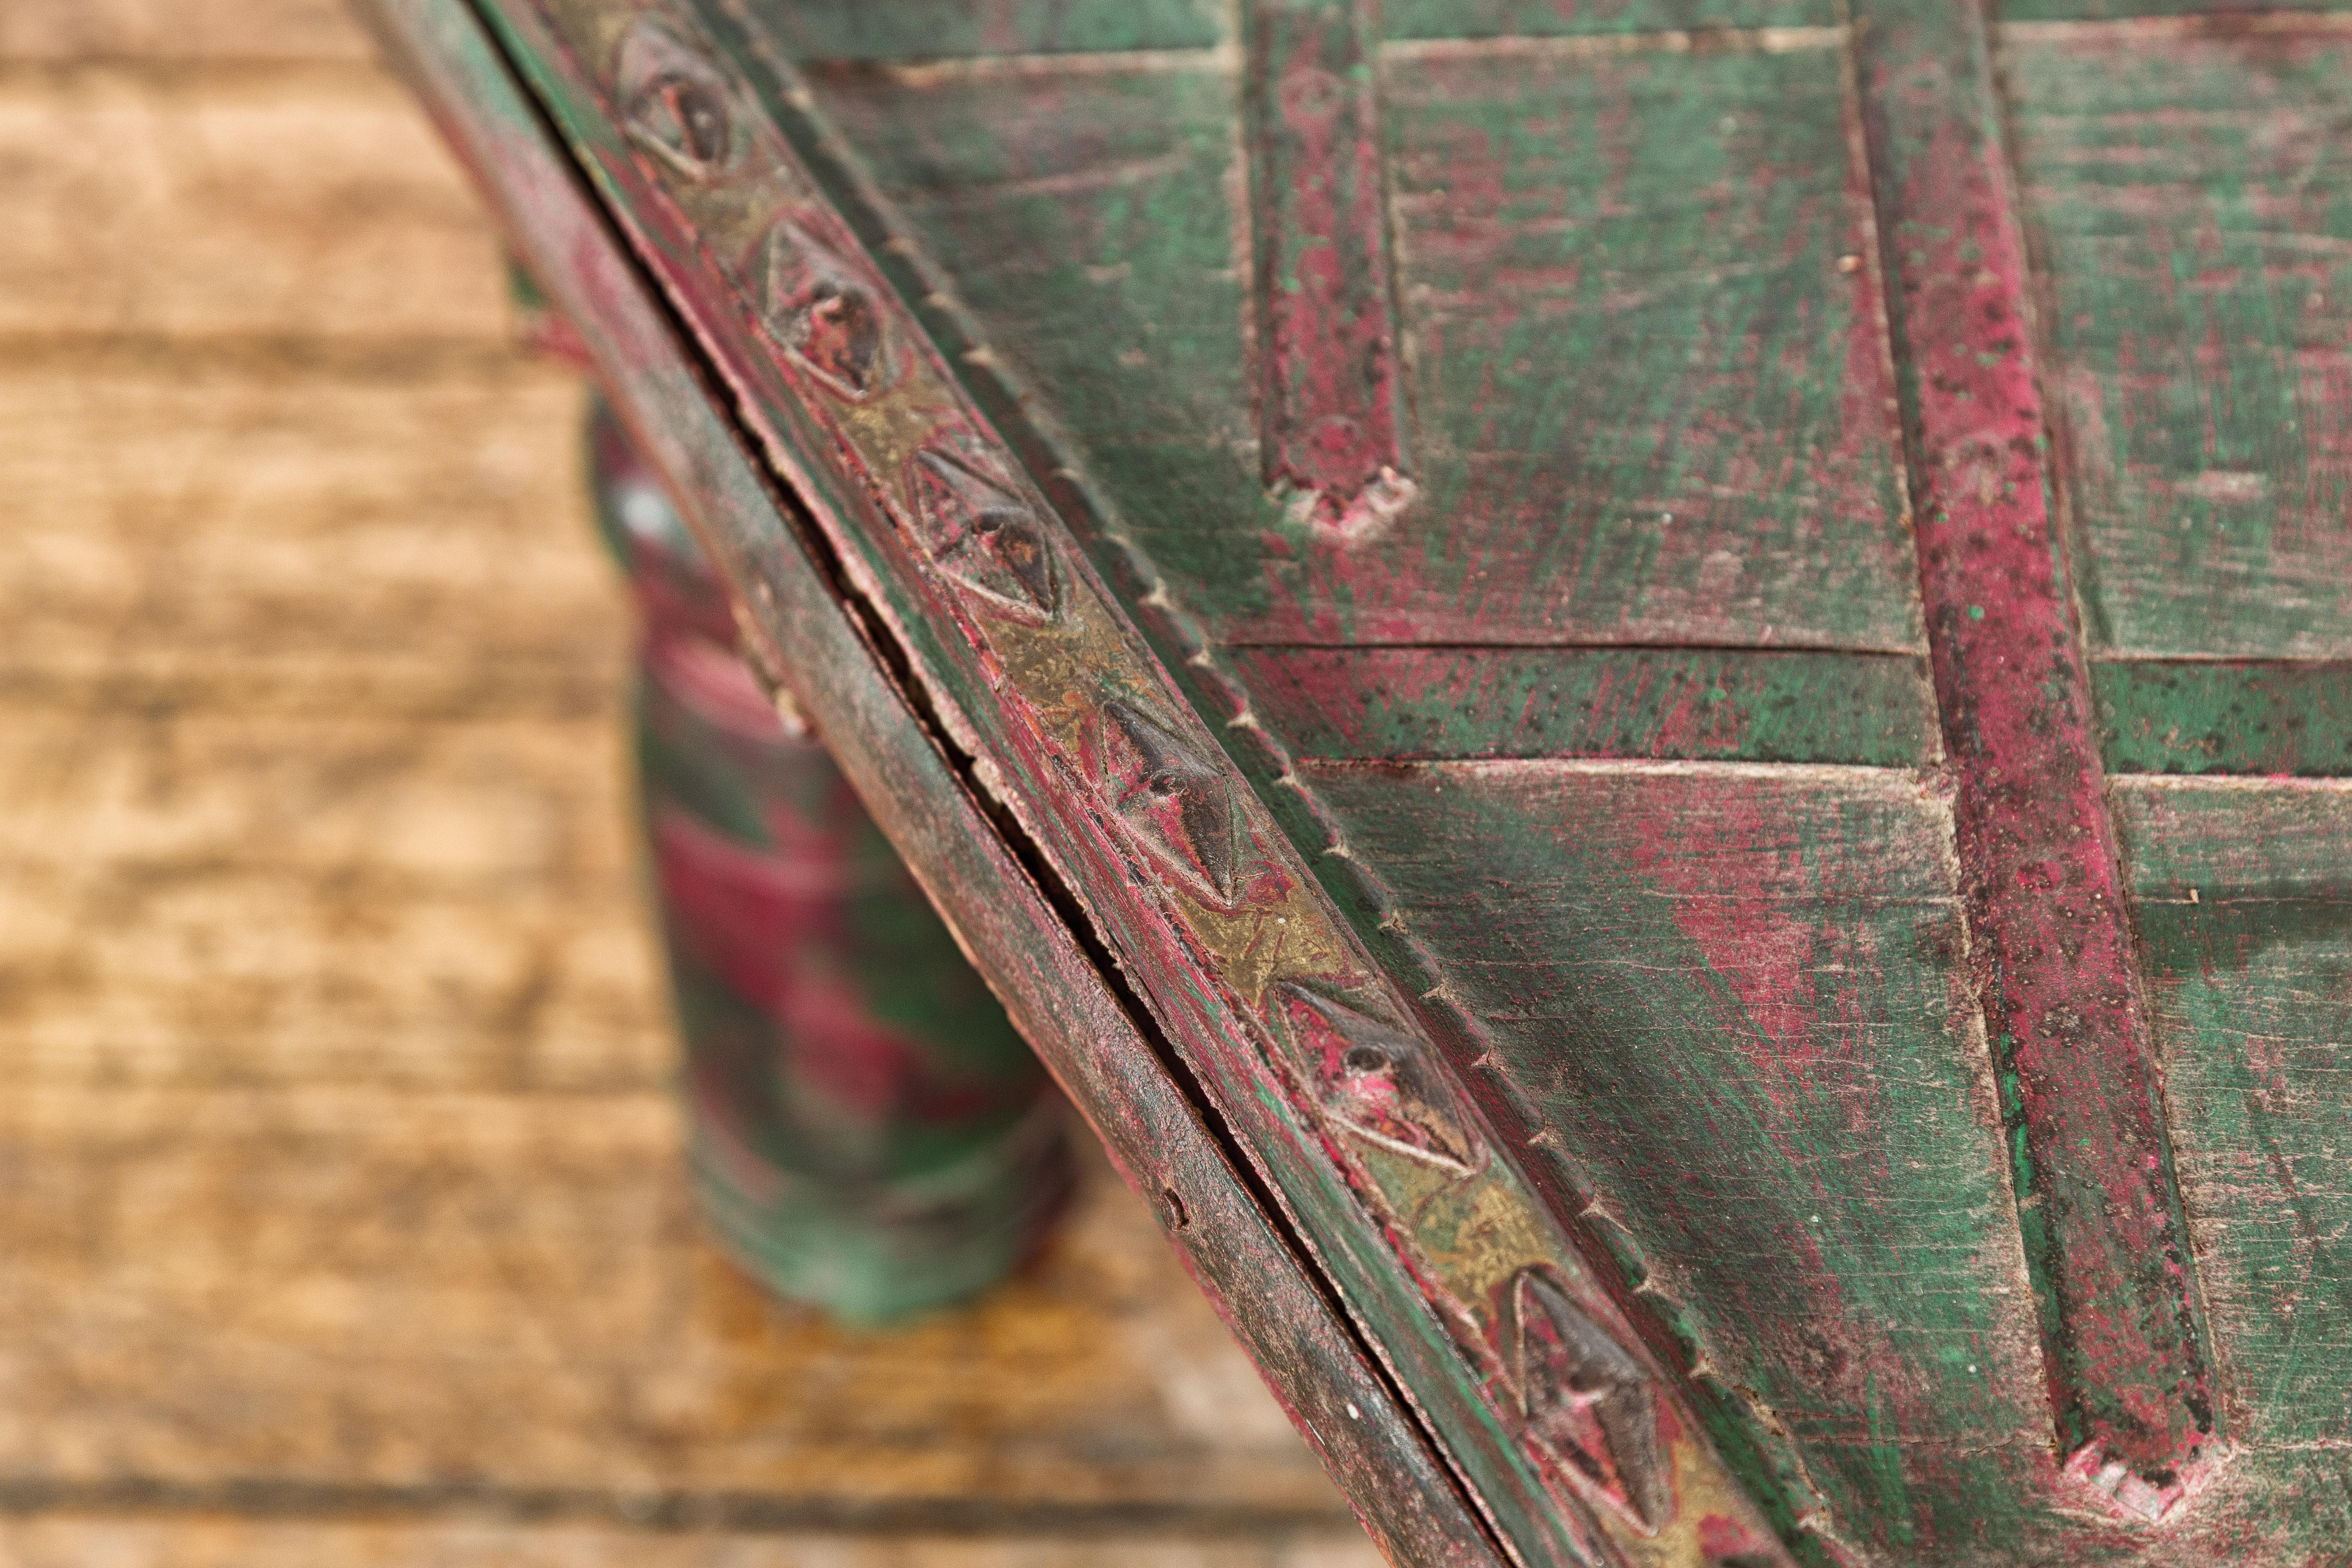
(1551, 1343)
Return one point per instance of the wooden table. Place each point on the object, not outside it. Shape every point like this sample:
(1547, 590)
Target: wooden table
(341, 1218)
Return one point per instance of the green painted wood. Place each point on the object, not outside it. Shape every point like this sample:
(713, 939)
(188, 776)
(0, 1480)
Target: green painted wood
(1571, 18)
(2219, 15)
(1723, 704)
(2242, 894)
(877, 30)
(1736, 999)
(2191, 199)
(1717, 468)
(2177, 717)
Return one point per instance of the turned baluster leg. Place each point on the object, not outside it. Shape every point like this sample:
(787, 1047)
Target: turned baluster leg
(867, 1133)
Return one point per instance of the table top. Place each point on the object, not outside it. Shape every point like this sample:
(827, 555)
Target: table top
(1682, 672)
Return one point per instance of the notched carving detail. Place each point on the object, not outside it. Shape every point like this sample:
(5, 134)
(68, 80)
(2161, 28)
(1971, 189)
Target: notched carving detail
(1586, 1400)
(1177, 803)
(824, 313)
(981, 531)
(1379, 1082)
(674, 101)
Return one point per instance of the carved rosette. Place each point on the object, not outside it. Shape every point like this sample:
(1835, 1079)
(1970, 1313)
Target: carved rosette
(1058, 676)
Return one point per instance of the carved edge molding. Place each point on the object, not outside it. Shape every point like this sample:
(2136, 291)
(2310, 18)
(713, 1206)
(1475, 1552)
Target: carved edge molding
(846, 381)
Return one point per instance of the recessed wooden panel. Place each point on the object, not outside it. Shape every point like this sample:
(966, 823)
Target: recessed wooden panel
(1679, 967)
(2200, 717)
(2192, 200)
(1555, 18)
(1703, 703)
(2243, 891)
(865, 30)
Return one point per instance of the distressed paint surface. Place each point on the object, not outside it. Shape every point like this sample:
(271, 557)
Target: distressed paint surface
(2050, 940)
(871, 30)
(1330, 402)
(2183, 717)
(2243, 893)
(1725, 705)
(2192, 200)
(2220, 15)
(1569, 18)
(1735, 1000)
(1720, 469)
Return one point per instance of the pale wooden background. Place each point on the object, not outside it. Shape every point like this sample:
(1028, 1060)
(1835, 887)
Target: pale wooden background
(340, 1215)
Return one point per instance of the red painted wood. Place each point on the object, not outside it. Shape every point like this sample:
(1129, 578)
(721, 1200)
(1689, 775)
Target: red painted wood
(1330, 414)
(2050, 941)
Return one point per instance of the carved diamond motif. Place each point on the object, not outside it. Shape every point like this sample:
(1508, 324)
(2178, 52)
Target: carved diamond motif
(1379, 1082)
(981, 532)
(1588, 1400)
(1179, 805)
(824, 313)
(674, 101)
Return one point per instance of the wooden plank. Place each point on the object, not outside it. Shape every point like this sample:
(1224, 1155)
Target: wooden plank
(214, 1543)
(491, 1296)
(1574, 18)
(2219, 16)
(192, 205)
(238, 531)
(180, 31)
(1676, 966)
(211, 900)
(1641, 416)
(2241, 893)
(815, 30)
(2183, 717)
(2048, 934)
(2192, 199)
(1723, 704)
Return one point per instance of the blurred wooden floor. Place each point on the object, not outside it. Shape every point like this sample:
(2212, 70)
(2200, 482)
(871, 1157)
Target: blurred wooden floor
(340, 1214)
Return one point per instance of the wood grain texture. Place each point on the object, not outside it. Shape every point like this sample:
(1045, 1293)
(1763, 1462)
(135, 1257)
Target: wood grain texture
(180, 31)
(1725, 705)
(1679, 966)
(2191, 199)
(179, 536)
(508, 1295)
(284, 200)
(218, 1543)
